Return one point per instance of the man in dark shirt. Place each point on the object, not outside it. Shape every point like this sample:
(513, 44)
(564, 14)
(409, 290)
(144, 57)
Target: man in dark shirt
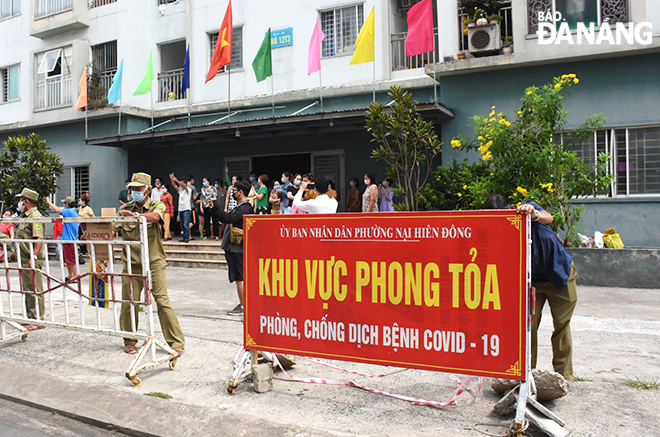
(234, 251)
(553, 275)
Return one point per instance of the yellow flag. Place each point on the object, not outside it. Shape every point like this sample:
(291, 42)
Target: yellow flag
(364, 45)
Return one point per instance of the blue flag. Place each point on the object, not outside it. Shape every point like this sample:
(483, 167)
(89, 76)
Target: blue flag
(114, 93)
(185, 82)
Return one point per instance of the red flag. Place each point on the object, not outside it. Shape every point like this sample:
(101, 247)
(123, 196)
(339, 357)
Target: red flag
(420, 29)
(222, 52)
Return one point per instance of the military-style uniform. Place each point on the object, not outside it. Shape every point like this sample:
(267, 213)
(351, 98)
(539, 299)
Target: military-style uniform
(131, 232)
(32, 231)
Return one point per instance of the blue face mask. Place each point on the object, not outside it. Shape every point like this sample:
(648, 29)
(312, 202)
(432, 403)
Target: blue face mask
(297, 182)
(80, 203)
(216, 186)
(283, 180)
(206, 184)
(252, 178)
(351, 183)
(384, 183)
(138, 196)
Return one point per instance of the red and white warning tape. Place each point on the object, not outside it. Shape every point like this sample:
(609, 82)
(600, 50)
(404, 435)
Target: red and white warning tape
(462, 386)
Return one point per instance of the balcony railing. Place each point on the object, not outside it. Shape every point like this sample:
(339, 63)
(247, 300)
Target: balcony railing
(402, 62)
(97, 3)
(169, 85)
(48, 7)
(54, 91)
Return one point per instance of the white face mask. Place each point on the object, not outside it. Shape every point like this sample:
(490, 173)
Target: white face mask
(366, 182)
(21, 206)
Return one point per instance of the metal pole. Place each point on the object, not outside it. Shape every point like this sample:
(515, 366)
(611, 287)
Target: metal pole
(435, 82)
(86, 111)
(229, 92)
(374, 96)
(119, 124)
(321, 90)
(272, 93)
(151, 97)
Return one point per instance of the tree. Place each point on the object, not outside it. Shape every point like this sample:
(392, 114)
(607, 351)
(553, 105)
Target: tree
(407, 144)
(26, 163)
(526, 160)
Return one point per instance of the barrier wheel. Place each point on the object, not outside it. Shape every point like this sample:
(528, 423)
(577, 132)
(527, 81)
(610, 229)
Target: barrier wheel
(172, 364)
(24, 337)
(231, 389)
(136, 381)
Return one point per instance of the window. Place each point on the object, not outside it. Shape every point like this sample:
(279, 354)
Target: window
(97, 3)
(575, 11)
(9, 83)
(236, 48)
(49, 7)
(341, 27)
(74, 182)
(53, 78)
(635, 157)
(9, 8)
(104, 63)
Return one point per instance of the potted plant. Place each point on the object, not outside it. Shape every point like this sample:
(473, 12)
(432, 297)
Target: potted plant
(507, 48)
(480, 15)
(495, 18)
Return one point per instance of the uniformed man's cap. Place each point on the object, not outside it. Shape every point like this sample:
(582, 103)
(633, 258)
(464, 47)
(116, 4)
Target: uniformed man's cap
(140, 179)
(68, 200)
(29, 194)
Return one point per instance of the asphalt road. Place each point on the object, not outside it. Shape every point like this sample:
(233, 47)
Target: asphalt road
(20, 420)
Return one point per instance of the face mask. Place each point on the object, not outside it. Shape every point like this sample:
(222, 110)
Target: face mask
(216, 186)
(21, 206)
(80, 203)
(276, 187)
(252, 178)
(138, 196)
(126, 187)
(384, 183)
(298, 182)
(351, 183)
(206, 184)
(366, 182)
(284, 180)
(157, 185)
(163, 191)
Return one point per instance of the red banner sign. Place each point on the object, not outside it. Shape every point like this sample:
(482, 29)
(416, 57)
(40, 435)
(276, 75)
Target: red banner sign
(443, 291)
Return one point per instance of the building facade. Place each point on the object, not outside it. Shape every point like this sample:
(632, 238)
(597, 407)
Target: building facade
(298, 122)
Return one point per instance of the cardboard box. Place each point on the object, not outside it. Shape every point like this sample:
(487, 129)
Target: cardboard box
(98, 232)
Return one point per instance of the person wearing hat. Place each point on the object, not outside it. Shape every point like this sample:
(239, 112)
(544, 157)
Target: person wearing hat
(27, 206)
(69, 235)
(153, 210)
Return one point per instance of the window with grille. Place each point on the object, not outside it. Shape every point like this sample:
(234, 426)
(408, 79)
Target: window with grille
(53, 78)
(74, 182)
(9, 8)
(635, 157)
(341, 27)
(236, 48)
(104, 56)
(9, 83)
(97, 3)
(49, 7)
(578, 11)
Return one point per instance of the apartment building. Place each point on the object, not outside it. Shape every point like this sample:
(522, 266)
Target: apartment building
(299, 122)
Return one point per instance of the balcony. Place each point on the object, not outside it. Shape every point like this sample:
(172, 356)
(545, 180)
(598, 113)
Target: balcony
(499, 30)
(56, 16)
(169, 85)
(53, 92)
(98, 3)
(402, 62)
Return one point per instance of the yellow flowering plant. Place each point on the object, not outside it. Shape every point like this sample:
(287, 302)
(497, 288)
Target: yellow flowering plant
(526, 160)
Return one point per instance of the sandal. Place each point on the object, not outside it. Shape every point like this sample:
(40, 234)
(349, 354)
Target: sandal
(130, 349)
(217, 238)
(205, 238)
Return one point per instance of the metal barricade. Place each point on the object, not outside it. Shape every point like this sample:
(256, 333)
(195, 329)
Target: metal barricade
(66, 305)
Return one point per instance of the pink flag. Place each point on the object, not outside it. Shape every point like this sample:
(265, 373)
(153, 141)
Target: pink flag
(314, 59)
(420, 29)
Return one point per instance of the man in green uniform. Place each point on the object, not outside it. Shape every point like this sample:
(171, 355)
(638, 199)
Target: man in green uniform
(153, 211)
(27, 205)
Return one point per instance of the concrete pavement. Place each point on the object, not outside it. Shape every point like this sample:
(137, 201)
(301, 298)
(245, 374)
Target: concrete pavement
(616, 334)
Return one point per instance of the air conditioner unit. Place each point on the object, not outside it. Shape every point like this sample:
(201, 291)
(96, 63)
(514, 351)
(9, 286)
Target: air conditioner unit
(484, 40)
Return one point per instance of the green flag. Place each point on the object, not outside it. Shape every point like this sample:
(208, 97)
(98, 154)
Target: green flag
(263, 62)
(144, 86)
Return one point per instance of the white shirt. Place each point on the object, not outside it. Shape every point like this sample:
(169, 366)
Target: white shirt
(184, 199)
(155, 193)
(321, 205)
